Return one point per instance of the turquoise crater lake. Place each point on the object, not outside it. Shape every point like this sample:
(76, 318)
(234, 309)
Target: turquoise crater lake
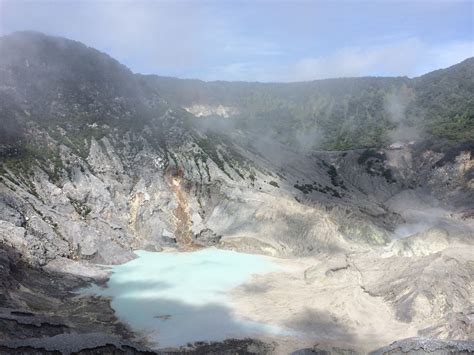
(183, 297)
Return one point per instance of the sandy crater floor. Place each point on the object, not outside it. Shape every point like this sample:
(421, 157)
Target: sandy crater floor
(329, 309)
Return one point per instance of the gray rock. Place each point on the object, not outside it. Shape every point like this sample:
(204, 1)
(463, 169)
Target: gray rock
(207, 237)
(73, 343)
(427, 345)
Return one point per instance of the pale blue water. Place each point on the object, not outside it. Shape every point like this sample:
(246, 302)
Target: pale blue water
(176, 298)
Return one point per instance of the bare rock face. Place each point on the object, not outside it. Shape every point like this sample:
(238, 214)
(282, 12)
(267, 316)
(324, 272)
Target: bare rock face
(87, 343)
(13, 236)
(40, 313)
(456, 325)
(429, 242)
(419, 287)
(207, 238)
(206, 110)
(427, 345)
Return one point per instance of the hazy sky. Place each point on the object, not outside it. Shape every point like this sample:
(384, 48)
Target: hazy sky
(260, 40)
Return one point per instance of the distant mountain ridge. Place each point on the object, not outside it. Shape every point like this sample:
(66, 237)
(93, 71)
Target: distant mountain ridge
(347, 112)
(333, 114)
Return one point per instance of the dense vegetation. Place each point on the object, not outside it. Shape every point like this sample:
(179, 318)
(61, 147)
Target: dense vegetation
(342, 113)
(74, 92)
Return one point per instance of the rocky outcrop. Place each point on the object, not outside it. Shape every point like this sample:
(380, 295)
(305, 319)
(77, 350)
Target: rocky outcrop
(427, 345)
(41, 313)
(206, 111)
(65, 344)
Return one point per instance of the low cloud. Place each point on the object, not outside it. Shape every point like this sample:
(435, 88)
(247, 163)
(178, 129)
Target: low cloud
(255, 41)
(410, 57)
(395, 106)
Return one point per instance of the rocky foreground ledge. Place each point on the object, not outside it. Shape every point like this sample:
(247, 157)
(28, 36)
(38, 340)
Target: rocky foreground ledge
(97, 343)
(425, 345)
(87, 343)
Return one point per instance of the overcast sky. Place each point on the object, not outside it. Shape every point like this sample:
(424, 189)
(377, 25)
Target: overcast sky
(260, 40)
